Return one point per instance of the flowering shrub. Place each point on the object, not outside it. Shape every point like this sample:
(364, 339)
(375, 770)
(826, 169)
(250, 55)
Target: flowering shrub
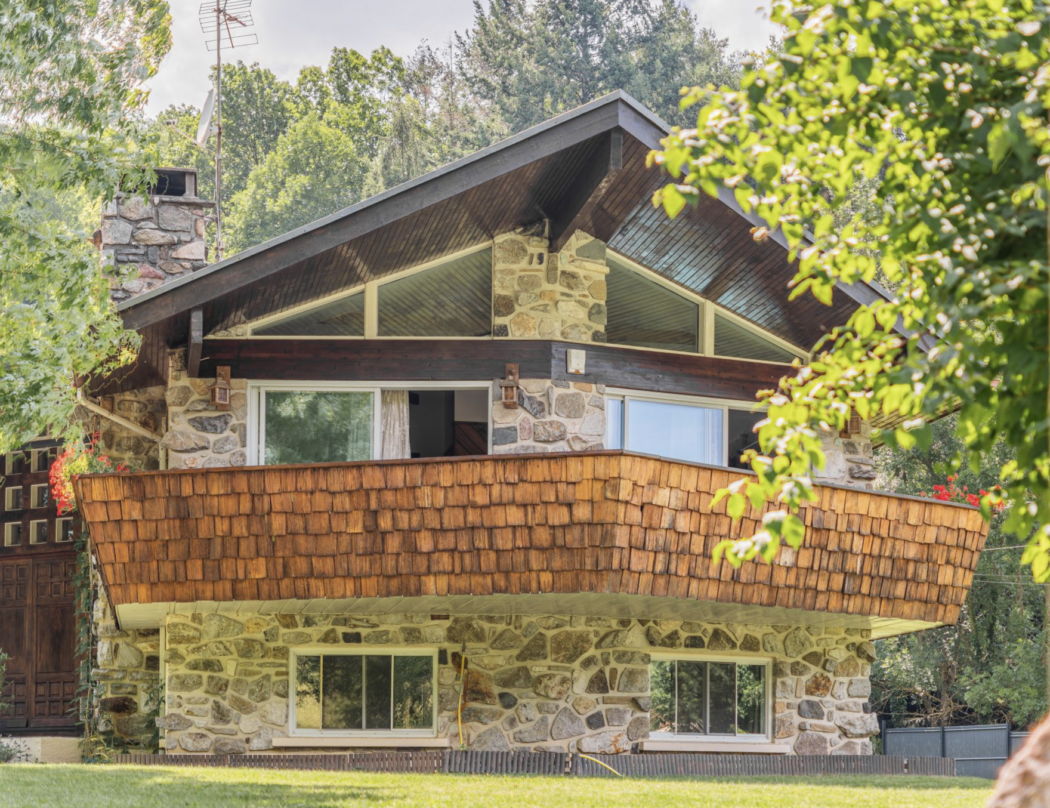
(82, 458)
(949, 493)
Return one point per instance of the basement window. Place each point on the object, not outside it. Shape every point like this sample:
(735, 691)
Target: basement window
(349, 693)
(708, 698)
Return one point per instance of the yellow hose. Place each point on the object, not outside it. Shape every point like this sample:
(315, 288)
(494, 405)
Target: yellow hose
(606, 765)
(462, 690)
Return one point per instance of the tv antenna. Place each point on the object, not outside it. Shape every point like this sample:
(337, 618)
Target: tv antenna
(226, 20)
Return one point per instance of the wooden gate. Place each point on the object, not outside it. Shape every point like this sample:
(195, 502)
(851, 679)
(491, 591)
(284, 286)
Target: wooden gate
(38, 634)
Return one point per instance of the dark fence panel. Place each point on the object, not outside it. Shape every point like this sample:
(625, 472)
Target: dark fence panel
(978, 751)
(559, 764)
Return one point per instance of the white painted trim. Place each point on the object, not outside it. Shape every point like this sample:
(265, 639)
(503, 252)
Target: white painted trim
(59, 522)
(379, 741)
(366, 737)
(32, 495)
(32, 532)
(741, 748)
(8, 530)
(371, 311)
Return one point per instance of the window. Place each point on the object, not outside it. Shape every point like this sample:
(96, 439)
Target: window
(733, 339)
(646, 314)
(680, 427)
(348, 693)
(16, 463)
(708, 698)
(344, 317)
(64, 530)
(38, 496)
(453, 299)
(316, 426)
(13, 499)
(41, 460)
(38, 532)
(13, 534)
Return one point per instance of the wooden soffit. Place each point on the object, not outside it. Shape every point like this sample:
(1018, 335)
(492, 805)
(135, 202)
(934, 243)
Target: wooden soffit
(607, 523)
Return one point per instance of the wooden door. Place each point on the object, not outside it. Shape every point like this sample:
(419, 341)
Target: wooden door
(38, 634)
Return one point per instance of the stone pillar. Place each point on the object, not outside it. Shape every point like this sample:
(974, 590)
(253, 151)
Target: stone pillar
(849, 459)
(551, 416)
(148, 242)
(536, 294)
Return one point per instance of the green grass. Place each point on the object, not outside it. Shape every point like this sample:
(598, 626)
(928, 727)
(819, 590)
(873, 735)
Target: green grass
(168, 787)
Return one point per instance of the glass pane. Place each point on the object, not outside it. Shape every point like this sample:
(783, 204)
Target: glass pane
(662, 685)
(308, 692)
(450, 300)
(646, 314)
(318, 427)
(340, 318)
(678, 431)
(341, 685)
(614, 423)
(723, 698)
(413, 692)
(377, 688)
(691, 697)
(732, 339)
(751, 699)
(742, 435)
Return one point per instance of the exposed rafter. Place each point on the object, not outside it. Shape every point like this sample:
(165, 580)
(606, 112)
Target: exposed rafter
(587, 190)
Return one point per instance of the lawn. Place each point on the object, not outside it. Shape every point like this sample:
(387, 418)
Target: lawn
(164, 787)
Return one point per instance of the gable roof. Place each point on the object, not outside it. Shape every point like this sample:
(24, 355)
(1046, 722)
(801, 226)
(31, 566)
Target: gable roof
(542, 172)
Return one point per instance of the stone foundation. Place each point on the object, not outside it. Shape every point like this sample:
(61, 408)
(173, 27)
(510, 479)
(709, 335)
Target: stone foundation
(551, 416)
(531, 683)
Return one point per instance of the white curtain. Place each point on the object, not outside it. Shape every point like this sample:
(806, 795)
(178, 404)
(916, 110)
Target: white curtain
(394, 425)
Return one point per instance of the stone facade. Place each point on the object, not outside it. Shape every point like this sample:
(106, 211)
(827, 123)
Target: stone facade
(147, 242)
(552, 416)
(848, 460)
(198, 435)
(538, 295)
(145, 407)
(126, 677)
(531, 683)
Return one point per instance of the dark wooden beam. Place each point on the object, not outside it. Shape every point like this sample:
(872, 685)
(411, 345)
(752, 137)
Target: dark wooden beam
(195, 343)
(586, 190)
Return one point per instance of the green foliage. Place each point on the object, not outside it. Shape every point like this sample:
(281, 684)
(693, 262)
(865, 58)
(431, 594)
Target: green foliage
(70, 70)
(533, 60)
(313, 170)
(945, 105)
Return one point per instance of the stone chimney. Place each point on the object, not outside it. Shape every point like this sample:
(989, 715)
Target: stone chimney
(146, 243)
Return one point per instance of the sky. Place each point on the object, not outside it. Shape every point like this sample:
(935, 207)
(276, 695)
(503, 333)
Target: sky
(296, 33)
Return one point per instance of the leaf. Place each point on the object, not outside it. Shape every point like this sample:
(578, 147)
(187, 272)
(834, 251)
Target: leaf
(998, 145)
(736, 505)
(673, 200)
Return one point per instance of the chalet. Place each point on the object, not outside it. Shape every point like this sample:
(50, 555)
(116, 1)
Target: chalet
(437, 470)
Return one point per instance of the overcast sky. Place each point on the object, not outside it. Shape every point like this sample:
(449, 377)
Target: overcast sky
(295, 33)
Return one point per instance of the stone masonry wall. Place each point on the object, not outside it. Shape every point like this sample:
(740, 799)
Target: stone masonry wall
(536, 294)
(850, 460)
(531, 683)
(126, 676)
(199, 436)
(145, 407)
(552, 416)
(146, 243)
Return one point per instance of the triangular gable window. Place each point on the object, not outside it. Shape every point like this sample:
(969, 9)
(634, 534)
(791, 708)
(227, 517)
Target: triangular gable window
(735, 340)
(646, 314)
(344, 317)
(452, 299)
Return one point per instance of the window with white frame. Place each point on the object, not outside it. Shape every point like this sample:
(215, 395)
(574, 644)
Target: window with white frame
(681, 427)
(348, 692)
(42, 460)
(38, 532)
(38, 496)
(316, 426)
(13, 499)
(13, 534)
(64, 530)
(706, 698)
(15, 463)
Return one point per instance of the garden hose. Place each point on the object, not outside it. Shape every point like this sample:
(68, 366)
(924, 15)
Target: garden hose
(606, 765)
(462, 692)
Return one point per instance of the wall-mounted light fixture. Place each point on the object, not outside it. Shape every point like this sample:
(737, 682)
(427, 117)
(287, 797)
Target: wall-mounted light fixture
(852, 426)
(220, 390)
(509, 387)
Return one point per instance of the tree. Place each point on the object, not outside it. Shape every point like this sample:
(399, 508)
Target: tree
(314, 170)
(534, 60)
(945, 104)
(71, 73)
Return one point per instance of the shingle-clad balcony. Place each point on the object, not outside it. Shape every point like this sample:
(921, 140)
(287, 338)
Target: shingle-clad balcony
(602, 533)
